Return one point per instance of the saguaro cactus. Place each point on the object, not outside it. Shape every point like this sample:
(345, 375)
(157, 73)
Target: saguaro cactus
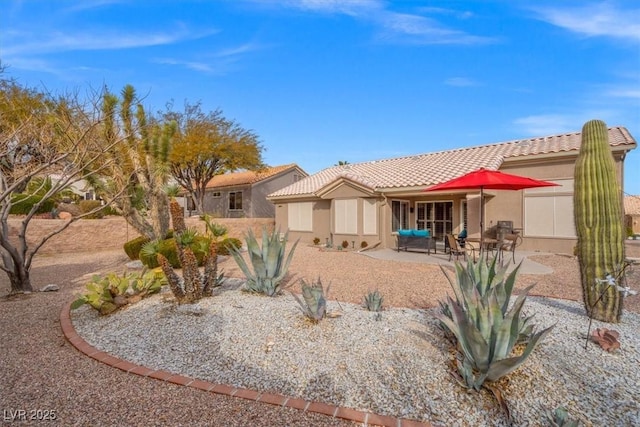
(598, 220)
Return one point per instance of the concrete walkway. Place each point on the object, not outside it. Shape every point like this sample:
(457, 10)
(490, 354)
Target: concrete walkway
(440, 258)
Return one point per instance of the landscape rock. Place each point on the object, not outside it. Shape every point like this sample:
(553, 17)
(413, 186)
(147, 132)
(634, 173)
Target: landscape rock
(50, 288)
(64, 215)
(137, 264)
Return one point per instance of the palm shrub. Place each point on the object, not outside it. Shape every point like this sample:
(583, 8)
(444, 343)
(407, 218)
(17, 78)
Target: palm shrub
(269, 261)
(599, 223)
(486, 329)
(315, 300)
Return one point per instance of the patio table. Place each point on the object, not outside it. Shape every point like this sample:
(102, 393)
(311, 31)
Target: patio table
(488, 244)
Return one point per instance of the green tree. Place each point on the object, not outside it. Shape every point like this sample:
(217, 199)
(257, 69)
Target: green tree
(341, 163)
(41, 136)
(208, 144)
(139, 167)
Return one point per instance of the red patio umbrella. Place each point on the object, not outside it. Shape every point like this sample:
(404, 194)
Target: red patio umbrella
(491, 180)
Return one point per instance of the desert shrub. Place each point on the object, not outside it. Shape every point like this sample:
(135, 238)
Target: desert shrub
(110, 211)
(132, 247)
(345, 244)
(363, 244)
(224, 246)
(21, 204)
(316, 240)
(89, 205)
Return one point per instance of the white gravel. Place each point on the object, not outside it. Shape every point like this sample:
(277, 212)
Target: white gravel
(397, 366)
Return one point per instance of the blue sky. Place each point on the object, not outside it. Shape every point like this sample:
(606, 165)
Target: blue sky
(357, 80)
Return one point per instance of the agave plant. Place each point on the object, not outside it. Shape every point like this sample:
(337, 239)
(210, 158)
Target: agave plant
(270, 262)
(479, 281)
(315, 300)
(373, 302)
(560, 418)
(485, 328)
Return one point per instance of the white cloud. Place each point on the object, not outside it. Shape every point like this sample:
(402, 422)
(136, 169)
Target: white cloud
(192, 65)
(545, 124)
(596, 19)
(412, 28)
(461, 82)
(632, 92)
(221, 63)
(64, 42)
(350, 7)
(552, 124)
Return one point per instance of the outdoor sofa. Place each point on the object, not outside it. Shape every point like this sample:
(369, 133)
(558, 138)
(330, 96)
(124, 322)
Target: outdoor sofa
(416, 240)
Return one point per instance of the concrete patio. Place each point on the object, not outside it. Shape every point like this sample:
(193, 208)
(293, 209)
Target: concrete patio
(440, 258)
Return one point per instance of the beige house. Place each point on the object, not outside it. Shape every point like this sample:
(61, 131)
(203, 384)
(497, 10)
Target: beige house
(632, 214)
(371, 201)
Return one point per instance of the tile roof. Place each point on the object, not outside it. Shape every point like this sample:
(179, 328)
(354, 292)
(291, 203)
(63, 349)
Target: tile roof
(247, 177)
(433, 168)
(632, 205)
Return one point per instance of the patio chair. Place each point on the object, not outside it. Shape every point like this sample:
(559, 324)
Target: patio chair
(509, 244)
(457, 250)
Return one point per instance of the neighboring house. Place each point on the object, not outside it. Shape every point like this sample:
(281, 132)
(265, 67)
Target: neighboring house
(80, 188)
(632, 214)
(243, 194)
(371, 201)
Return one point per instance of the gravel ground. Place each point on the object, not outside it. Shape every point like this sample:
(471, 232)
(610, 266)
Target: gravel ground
(42, 371)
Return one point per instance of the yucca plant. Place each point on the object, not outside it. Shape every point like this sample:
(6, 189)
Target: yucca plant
(485, 328)
(270, 262)
(373, 302)
(315, 300)
(215, 230)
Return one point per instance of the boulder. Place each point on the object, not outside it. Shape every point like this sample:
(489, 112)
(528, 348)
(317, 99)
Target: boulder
(65, 215)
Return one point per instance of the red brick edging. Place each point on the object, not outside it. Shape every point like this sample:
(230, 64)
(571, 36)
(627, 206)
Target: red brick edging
(367, 418)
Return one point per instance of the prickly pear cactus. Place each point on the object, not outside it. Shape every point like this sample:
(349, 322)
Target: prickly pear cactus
(599, 223)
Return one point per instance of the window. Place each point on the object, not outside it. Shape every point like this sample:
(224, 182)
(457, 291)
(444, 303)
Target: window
(346, 216)
(235, 201)
(296, 177)
(300, 216)
(369, 216)
(548, 211)
(399, 215)
(216, 194)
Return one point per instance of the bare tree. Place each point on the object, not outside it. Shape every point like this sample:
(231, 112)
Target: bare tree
(41, 136)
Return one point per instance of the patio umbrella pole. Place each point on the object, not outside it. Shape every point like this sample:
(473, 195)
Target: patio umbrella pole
(481, 220)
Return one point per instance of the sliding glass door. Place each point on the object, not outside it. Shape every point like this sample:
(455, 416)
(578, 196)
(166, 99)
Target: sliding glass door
(437, 217)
